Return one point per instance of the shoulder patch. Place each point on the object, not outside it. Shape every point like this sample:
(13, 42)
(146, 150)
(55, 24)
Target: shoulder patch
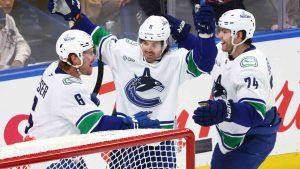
(131, 42)
(249, 61)
(70, 80)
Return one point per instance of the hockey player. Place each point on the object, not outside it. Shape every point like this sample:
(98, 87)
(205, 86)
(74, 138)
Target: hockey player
(243, 107)
(62, 105)
(146, 73)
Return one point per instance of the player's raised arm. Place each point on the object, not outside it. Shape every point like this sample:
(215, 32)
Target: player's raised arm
(203, 45)
(70, 10)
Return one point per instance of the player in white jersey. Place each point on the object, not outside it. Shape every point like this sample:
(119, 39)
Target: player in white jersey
(243, 107)
(147, 74)
(62, 104)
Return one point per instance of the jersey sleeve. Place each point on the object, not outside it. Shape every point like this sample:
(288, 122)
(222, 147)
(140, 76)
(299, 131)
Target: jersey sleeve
(186, 73)
(251, 87)
(106, 46)
(78, 108)
(104, 41)
(204, 52)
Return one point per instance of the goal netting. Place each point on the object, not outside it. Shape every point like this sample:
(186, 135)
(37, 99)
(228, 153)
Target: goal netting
(120, 149)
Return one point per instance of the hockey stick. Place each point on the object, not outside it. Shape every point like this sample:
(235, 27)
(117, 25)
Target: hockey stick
(99, 76)
(162, 8)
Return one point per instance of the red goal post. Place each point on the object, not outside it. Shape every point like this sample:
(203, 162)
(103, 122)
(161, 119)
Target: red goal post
(38, 151)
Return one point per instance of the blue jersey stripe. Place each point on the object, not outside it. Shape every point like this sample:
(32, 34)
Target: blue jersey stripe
(251, 99)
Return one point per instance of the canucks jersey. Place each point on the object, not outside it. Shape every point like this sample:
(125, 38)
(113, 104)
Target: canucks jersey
(247, 78)
(142, 86)
(61, 106)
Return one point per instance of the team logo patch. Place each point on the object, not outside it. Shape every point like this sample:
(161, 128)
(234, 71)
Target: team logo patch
(68, 38)
(131, 42)
(245, 15)
(70, 80)
(142, 84)
(249, 61)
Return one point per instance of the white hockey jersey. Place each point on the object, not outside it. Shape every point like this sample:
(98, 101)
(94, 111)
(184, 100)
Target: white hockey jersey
(61, 106)
(142, 86)
(247, 78)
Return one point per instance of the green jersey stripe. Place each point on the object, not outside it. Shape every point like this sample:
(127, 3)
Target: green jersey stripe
(260, 107)
(170, 126)
(192, 66)
(231, 141)
(98, 35)
(89, 122)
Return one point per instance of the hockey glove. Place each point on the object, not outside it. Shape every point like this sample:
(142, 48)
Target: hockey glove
(69, 9)
(204, 20)
(139, 120)
(213, 112)
(179, 29)
(95, 99)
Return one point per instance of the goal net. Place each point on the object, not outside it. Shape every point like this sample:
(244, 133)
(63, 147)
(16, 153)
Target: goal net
(120, 149)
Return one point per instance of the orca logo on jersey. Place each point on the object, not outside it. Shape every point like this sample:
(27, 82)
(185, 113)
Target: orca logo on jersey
(218, 91)
(143, 83)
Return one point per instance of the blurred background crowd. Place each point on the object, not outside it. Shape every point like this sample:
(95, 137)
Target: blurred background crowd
(28, 32)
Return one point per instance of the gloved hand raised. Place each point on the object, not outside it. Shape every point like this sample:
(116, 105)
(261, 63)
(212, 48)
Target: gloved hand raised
(179, 29)
(138, 120)
(212, 112)
(69, 9)
(204, 20)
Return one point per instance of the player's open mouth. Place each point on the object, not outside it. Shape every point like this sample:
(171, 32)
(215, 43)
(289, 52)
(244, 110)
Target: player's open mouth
(149, 53)
(222, 44)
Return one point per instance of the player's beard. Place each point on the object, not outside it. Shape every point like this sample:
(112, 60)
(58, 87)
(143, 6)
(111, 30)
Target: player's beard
(227, 47)
(151, 56)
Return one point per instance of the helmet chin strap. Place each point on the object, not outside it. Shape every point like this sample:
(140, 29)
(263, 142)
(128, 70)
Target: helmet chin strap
(235, 45)
(164, 48)
(76, 66)
(233, 49)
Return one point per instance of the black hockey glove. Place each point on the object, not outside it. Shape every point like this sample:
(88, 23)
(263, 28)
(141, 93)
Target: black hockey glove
(179, 29)
(213, 112)
(69, 9)
(204, 20)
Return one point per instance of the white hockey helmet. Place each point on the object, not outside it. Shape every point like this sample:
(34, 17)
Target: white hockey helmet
(237, 20)
(73, 41)
(155, 28)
